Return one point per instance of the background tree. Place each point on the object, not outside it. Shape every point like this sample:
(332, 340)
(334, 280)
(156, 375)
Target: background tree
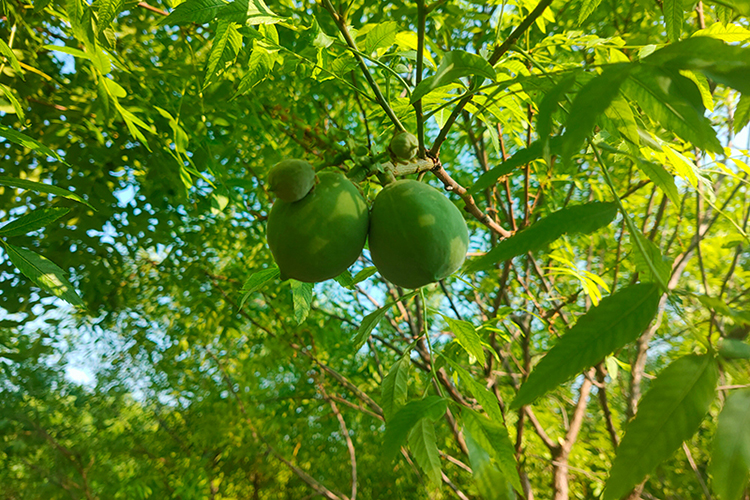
(594, 345)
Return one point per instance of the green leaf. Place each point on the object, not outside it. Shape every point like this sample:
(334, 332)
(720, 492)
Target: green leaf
(721, 62)
(302, 298)
(258, 280)
(108, 10)
(533, 152)
(490, 482)
(674, 102)
(454, 65)
(396, 431)
(674, 12)
(467, 337)
(27, 142)
(742, 113)
(32, 221)
(42, 188)
(621, 114)
(734, 349)
(380, 37)
(67, 50)
(486, 399)
(617, 320)
(579, 219)
(258, 69)
(423, 447)
(739, 316)
(370, 321)
(249, 13)
(44, 273)
(741, 6)
(590, 102)
(662, 178)
(587, 7)
(194, 11)
(730, 461)
(225, 46)
(492, 436)
(547, 108)
(669, 413)
(7, 52)
(394, 388)
(662, 265)
(362, 275)
(17, 107)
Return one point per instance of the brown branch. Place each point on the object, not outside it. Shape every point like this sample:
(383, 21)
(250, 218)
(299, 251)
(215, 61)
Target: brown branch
(496, 55)
(560, 474)
(602, 391)
(312, 482)
(471, 206)
(706, 492)
(452, 486)
(146, 6)
(347, 437)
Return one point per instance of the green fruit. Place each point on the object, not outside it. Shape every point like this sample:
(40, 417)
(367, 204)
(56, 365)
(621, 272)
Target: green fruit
(404, 146)
(291, 180)
(417, 236)
(318, 237)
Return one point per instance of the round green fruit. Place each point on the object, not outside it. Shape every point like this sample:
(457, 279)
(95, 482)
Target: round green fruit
(321, 235)
(417, 236)
(404, 146)
(291, 180)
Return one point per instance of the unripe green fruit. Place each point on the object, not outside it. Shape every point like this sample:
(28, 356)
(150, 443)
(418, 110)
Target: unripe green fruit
(417, 236)
(404, 146)
(291, 180)
(321, 235)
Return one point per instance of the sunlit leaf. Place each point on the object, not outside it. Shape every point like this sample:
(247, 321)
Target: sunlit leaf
(302, 299)
(467, 337)
(194, 11)
(674, 102)
(44, 273)
(225, 47)
(8, 54)
(454, 65)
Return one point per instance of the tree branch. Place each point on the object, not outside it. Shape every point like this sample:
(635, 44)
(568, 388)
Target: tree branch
(496, 55)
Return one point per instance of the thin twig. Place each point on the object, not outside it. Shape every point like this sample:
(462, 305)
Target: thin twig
(341, 24)
(146, 6)
(471, 206)
(706, 492)
(312, 482)
(496, 55)
(347, 438)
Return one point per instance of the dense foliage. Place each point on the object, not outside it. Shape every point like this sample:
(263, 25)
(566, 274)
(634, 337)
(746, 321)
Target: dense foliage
(593, 345)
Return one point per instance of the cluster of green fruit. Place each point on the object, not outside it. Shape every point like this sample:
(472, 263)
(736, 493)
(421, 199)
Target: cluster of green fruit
(319, 224)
